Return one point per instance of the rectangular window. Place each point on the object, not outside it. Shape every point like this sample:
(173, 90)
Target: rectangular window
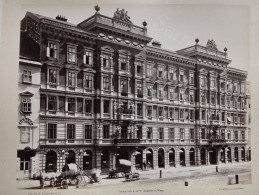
(139, 69)
(182, 136)
(27, 76)
(222, 99)
(139, 132)
(223, 116)
(149, 70)
(203, 133)
(243, 135)
(228, 135)
(149, 111)
(181, 116)
(203, 115)
(171, 113)
(171, 94)
(191, 114)
(88, 106)
(71, 53)
(139, 110)
(235, 87)
(171, 133)
(71, 79)
(52, 50)
(181, 96)
(203, 97)
(25, 134)
(106, 106)
(139, 89)
(123, 66)
(53, 76)
(213, 82)
(106, 130)
(88, 81)
(161, 133)
(26, 104)
(223, 134)
(71, 130)
(171, 75)
(52, 131)
(106, 83)
(106, 61)
(191, 78)
(149, 90)
(191, 97)
(88, 58)
(236, 135)
(213, 98)
(124, 86)
(160, 72)
(149, 133)
(192, 134)
(160, 92)
(71, 105)
(222, 85)
(202, 81)
(88, 131)
(160, 111)
(52, 103)
(181, 76)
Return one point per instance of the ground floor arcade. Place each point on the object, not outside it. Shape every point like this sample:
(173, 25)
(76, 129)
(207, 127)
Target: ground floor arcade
(53, 159)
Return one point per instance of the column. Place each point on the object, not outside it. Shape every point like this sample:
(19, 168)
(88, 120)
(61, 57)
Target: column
(101, 83)
(143, 110)
(240, 155)
(166, 158)
(187, 157)
(111, 161)
(217, 156)
(144, 156)
(207, 157)
(155, 159)
(111, 109)
(232, 155)
(198, 156)
(177, 157)
(133, 158)
(98, 159)
(226, 156)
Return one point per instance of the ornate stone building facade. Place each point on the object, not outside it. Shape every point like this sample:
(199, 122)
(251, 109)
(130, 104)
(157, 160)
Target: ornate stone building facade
(100, 91)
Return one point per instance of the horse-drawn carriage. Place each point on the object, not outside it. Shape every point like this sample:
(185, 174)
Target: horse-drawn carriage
(123, 168)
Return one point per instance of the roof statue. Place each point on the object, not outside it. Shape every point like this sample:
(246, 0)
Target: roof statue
(211, 44)
(122, 15)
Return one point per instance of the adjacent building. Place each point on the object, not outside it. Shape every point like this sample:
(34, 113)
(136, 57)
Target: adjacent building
(102, 90)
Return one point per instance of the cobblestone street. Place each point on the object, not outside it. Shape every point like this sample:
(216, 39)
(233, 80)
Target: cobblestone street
(202, 175)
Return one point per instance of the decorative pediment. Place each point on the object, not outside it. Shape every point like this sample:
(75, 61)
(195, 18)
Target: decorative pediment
(26, 121)
(107, 48)
(124, 52)
(141, 55)
(53, 63)
(26, 93)
(203, 71)
(72, 67)
(89, 70)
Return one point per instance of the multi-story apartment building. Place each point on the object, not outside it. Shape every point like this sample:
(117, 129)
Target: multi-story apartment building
(97, 92)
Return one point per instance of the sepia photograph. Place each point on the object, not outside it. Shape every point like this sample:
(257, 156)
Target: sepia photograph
(142, 97)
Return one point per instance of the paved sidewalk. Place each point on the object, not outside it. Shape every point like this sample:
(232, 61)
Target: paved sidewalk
(195, 175)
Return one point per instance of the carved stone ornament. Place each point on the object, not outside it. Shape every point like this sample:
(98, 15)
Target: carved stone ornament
(122, 15)
(26, 120)
(211, 44)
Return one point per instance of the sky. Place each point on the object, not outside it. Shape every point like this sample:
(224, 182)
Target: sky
(174, 26)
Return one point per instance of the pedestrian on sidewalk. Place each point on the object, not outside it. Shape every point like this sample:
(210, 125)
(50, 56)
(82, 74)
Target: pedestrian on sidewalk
(144, 166)
(148, 165)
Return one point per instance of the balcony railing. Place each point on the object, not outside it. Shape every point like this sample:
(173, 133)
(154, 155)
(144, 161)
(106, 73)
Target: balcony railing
(126, 141)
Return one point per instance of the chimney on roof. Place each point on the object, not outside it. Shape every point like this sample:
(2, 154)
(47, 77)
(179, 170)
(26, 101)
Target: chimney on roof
(62, 18)
(156, 43)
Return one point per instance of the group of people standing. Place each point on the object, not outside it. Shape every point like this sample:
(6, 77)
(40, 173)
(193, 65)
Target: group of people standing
(146, 166)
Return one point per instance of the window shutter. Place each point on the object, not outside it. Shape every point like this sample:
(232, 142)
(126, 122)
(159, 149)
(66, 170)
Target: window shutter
(48, 52)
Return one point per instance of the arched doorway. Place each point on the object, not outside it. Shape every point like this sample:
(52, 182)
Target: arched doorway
(71, 157)
(243, 155)
(87, 160)
(236, 154)
(203, 156)
(121, 154)
(51, 161)
(228, 150)
(161, 158)
(192, 156)
(172, 157)
(222, 155)
(150, 158)
(105, 159)
(182, 157)
(138, 159)
(212, 156)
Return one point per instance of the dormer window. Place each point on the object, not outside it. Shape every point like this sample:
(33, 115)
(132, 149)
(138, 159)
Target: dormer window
(27, 76)
(52, 50)
(71, 54)
(88, 58)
